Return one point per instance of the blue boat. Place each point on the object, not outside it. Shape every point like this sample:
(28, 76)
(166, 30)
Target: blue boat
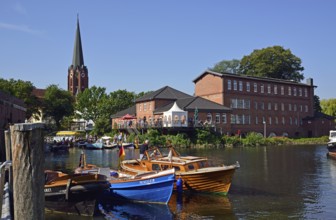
(147, 187)
(94, 146)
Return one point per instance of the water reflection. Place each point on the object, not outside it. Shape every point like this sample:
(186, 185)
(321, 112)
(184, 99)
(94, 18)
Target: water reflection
(275, 182)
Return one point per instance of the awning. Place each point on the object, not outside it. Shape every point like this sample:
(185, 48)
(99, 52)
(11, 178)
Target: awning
(67, 133)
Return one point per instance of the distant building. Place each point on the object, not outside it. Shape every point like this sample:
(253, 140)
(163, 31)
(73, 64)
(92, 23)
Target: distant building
(272, 107)
(12, 110)
(78, 78)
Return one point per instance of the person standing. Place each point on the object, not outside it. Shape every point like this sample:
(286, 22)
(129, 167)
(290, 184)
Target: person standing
(143, 148)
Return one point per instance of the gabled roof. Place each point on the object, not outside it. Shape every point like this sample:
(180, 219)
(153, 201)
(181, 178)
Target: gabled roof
(164, 93)
(131, 110)
(191, 103)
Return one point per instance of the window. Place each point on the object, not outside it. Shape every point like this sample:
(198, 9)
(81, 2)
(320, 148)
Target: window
(255, 85)
(269, 106)
(248, 86)
(140, 107)
(269, 120)
(240, 86)
(306, 92)
(282, 90)
(209, 118)
(224, 118)
(229, 85)
(262, 106)
(294, 91)
(275, 89)
(233, 119)
(290, 120)
(300, 91)
(282, 107)
(235, 85)
(269, 89)
(262, 88)
(306, 108)
(289, 90)
(145, 107)
(256, 120)
(283, 120)
(276, 120)
(295, 107)
(276, 106)
(301, 108)
(256, 105)
(289, 107)
(217, 118)
(150, 106)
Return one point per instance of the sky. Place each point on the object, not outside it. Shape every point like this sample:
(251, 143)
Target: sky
(146, 45)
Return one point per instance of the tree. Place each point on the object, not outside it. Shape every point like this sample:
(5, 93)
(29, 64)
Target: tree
(328, 107)
(273, 62)
(317, 105)
(91, 103)
(24, 91)
(57, 104)
(226, 66)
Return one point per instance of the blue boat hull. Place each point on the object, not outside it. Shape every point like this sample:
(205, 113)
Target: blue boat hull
(152, 190)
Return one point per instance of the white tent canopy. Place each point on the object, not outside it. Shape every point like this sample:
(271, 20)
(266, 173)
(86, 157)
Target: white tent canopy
(175, 117)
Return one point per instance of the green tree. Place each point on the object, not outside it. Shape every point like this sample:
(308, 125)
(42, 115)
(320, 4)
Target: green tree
(24, 91)
(91, 103)
(317, 104)
(328, 106)
(226, 66)
(57, 104)
(273, 62)
(120, 100)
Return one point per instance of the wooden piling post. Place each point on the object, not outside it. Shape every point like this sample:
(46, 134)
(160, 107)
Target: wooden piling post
(28, 170)
(9, 158)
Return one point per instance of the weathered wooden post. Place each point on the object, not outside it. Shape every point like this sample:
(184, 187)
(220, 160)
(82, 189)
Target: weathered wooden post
(28, 170)
(9, 158)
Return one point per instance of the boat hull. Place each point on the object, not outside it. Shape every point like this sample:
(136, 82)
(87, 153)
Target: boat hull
(209, 180)
(153, 188)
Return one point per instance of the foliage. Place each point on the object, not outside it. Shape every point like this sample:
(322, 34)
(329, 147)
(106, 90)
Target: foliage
(273, 62)
(205, 136)
(57, 104)
(253, 139)
(317, 104)
(22, 90)
(231, 140)
(226, 66)
(328, 107)
(120, 100)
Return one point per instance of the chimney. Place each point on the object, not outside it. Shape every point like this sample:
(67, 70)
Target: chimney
(310, 82)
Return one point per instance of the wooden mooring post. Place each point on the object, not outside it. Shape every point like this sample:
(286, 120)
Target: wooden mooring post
(28, 170)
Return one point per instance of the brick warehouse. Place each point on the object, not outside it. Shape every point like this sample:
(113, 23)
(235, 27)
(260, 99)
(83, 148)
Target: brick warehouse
(265, 105)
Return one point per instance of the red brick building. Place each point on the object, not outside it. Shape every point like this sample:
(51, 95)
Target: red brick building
(265, 105)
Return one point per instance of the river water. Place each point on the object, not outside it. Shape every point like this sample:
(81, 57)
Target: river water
(275, 182)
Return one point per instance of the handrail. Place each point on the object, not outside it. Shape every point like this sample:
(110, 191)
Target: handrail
(3, 167)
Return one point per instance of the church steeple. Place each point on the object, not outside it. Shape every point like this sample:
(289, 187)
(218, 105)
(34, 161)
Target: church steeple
(78, 59)
(78, 78)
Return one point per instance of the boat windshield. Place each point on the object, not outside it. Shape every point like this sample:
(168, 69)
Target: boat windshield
(332, 134)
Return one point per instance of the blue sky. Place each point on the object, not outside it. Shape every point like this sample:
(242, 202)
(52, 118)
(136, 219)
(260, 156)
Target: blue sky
(145, 45)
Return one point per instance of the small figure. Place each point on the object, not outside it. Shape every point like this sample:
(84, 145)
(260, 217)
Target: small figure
(143, 148)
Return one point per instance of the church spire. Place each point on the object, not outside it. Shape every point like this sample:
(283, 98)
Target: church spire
(78, 59)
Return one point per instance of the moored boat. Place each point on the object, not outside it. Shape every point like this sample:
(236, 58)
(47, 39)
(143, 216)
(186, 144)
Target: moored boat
(195, 173)
(332, 141)
(150, 187)
(73, 194)
(95, 146)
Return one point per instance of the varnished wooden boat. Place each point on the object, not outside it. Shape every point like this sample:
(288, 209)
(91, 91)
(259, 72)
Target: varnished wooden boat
(73, 194)
(196, 173)
(150, 187)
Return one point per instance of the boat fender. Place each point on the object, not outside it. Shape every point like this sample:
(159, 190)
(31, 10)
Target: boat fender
(179, 185)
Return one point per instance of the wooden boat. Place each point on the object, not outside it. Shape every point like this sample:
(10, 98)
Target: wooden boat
(73, 194)
(194, 173)
(150, 187)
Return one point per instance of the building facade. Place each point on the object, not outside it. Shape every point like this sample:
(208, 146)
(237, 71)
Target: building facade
(268, 106)
(78, 78)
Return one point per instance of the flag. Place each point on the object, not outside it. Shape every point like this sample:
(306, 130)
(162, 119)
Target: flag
(121, 155)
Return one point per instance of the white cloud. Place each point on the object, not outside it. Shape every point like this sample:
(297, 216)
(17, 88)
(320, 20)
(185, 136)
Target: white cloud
(21, 28)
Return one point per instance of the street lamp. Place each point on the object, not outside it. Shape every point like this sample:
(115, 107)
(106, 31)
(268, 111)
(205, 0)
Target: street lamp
(264, 122)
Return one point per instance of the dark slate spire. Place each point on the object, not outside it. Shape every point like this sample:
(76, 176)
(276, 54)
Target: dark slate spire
(78, 59)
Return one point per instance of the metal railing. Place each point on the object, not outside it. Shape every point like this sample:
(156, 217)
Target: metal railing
(3, 167)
